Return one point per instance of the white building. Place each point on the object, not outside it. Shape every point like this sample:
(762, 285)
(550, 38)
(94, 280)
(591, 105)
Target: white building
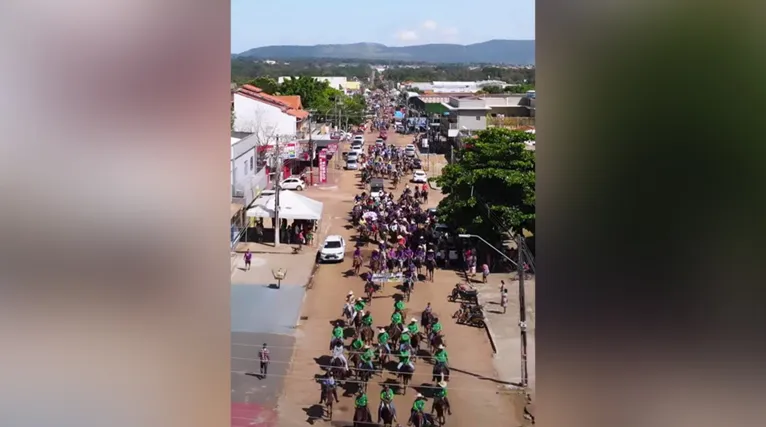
(266, 116)
(247, 179)
(455, 87)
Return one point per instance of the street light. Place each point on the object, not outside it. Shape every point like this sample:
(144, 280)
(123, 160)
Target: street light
(468, 236)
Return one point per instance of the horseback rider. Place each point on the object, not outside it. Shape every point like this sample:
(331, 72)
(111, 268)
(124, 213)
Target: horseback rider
(441, 394)
(367, 319)
(358, 306)
(404, 360)
(348, 307)
(386, 398)
(337, 353)
(383, 338)
(436, 328)
(399, 306)
(361, 400)
(404, 342)
(366, 358)
(329, 383)
(413, 327)
(417, 406)
(338, 332)
(396, 319)
(441, 357)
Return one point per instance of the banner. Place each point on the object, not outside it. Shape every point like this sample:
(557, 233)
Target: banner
(323, 166)
(332, 148)
(290, 150)
(386, 277)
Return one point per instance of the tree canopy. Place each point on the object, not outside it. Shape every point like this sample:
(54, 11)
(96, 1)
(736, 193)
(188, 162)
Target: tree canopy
(324, 101)
(490, 189)
(460, 72)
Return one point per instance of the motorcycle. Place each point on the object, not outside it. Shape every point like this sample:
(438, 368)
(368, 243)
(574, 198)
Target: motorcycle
(465, 293)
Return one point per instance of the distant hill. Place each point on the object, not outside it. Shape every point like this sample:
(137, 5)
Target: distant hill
(514, 52)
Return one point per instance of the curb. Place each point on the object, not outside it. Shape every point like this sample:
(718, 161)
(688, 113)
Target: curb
(309, 284)
(488, 327)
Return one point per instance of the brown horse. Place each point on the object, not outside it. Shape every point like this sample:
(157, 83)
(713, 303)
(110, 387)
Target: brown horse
(357, 265)
(405, 375)
(415, 340)
(328, 399)
(436, 341)
(367, 334)
(439, 407)
(374, 265)
(362, 417)
(394, 332)
(420, 419)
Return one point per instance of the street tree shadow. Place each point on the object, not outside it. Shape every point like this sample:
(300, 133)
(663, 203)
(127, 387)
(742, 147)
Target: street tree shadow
(426, 389)
(323, 362)
(495, 311)
(482, 377)
(314, 413)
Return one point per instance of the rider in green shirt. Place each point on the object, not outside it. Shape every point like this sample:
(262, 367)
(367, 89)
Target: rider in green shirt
(386, 398)
(413, 327)
(357, 344)
(441, 394)
(367, 319)
(338, 331)
(366, 357)
(404, 341)
(399, 306)
(404, 359)
(396, 318)
(441, 355)
(418, 405)
(435, 328)
(358, 307)
(361, 400)
(383, 339)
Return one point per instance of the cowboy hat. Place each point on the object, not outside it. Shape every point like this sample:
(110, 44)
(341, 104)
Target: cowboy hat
(350, 293)
(413, 320)
(366, 346)
(441, 346)
(419, 396)
(381, 330)
(443, 384)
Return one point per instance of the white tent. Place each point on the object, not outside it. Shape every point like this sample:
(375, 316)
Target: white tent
(292, 206)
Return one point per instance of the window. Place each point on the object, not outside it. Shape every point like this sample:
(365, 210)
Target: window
(251, 163)
(478, 117)
(332, 245)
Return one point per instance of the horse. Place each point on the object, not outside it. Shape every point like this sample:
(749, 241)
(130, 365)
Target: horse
(439, 407)
(418, 264)
(430, 267)
(436, 341)
(387, 415)
(357, 265)
(415, 340)
(439, 373)
(383, 355)
(369, 289)
(407, 289)
(357, 323)
(363, 375)
(337, 369)
(426, 321)
(353, 361)
(394, 332)
(367, 334)
(362, 417)
(327, 398)
(375, 265)
(405, 374)
(421, 419)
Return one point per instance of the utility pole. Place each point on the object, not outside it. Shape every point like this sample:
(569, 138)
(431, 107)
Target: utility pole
(311, 155)
(522, 311)
(277, 228)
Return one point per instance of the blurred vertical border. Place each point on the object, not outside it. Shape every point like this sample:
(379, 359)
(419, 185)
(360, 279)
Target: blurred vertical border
(114, 231)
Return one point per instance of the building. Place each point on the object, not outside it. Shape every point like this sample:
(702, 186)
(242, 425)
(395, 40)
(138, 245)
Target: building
(266, 116)
(248, 178)
(466, 114)
(453, 87)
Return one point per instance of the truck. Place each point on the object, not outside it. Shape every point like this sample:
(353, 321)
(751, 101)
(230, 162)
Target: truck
(377, 187)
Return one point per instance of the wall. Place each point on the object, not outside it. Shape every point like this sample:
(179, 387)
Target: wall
(263, 120)
(472, 120)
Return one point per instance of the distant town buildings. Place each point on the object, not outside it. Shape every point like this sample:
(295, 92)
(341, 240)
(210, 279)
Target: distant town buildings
(452, 87)
(341, 83)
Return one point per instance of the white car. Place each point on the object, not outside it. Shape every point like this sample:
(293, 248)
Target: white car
(351, 164)
(293, 183)
(352, 155)
(420, 177)
(359, 139)
(357, 149)
(409, 150)
(333, 249)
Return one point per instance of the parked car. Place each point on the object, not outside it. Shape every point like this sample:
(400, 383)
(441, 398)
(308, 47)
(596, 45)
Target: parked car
(359, 139)
(333, 249)
(419, 177)
(293, 183)
(351, 164)
(409, 150)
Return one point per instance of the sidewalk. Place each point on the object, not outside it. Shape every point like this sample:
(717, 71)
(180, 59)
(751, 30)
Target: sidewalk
(504, 328)
(298, 267)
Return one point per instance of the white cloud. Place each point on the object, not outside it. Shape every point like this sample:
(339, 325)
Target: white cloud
(406, 35)
(429, 25)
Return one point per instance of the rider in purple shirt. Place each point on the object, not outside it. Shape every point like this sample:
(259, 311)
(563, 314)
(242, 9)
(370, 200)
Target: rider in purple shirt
(358, 251)
(408, 253)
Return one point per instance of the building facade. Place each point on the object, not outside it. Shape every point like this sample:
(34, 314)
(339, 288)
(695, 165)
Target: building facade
(266, 116)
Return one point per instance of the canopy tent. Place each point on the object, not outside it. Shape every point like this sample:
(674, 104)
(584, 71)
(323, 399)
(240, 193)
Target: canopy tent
(292, 206)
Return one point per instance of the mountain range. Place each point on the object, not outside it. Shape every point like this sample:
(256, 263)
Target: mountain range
(511, 52)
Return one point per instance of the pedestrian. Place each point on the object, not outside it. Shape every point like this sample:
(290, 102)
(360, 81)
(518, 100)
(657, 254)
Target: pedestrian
(484, 272)
(301, 238)
(265, 359)
(248, 259)
(473, 264)
(504, 300)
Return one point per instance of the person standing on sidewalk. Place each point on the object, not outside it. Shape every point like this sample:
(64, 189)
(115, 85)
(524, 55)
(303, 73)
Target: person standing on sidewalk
(504, 300)
(248, 259)
(265, 358)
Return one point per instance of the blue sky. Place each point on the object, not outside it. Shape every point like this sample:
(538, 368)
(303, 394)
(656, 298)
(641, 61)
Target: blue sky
(256, 23)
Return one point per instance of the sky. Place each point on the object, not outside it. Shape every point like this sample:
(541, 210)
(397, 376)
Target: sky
(256, 23)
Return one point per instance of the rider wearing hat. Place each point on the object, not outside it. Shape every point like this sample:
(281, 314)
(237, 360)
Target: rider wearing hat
(441, 356)
(338, 331)
(396, 319)
(386, 398)
(361, 401)
(357, 344)
(413, 326)
(404, 359)
(367, 319)
(436, 327)
(418, 405)
(383, 339)
(399, 306)
(366, 358)
(441, 394)
(329, 383)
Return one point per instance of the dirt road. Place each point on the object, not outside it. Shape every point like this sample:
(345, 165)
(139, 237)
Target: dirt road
(474, 392)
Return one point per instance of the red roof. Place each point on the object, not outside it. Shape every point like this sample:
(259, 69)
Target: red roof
(288, 104)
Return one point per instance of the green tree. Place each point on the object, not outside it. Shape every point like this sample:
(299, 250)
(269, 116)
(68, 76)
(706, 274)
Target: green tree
(313, 93)
(519, 88)
(268, 84)
(492, 89)
(490, 189)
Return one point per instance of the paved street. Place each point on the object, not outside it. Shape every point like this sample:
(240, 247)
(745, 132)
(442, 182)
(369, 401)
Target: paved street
(477, 396)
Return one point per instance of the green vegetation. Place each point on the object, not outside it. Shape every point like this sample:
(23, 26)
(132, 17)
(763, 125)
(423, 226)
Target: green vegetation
(246, 69)
(490, 189)
(461, 73)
